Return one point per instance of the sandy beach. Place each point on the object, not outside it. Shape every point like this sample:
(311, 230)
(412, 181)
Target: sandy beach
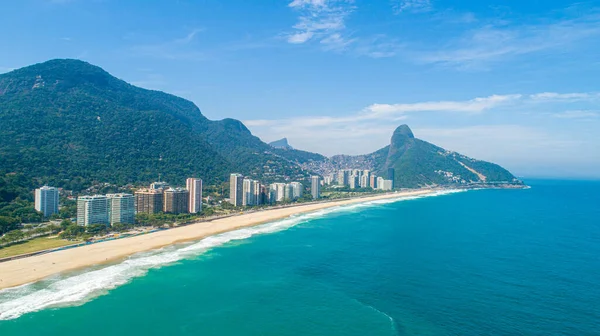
(26, 270)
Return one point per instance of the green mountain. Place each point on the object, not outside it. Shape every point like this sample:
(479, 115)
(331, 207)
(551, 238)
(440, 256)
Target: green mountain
(71, 124)
(420, 163)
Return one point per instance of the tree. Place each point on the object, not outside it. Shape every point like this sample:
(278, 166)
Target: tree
(53, 228)
(7, 224)
(13, 236)
(96, 229)
(65, 224)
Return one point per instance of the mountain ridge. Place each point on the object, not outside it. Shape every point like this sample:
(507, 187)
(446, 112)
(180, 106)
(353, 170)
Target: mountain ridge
(70, 120)
(69, 123)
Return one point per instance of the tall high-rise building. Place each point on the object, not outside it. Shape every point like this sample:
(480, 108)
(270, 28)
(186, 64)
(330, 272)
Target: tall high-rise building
(121, 208)
(315, 187)
(149, 201)
(373, 181)
(343, 177)
(46, 200)
(256, 189)
(354, 181)
(380, 183)
(288, 192)
(92, 210)
(328, 179)
(297, 189)
(248, 192)
(236, 189)
(176, 201)
(391, 175)
(365, 179)
(273, 193)
(265, 194)
(194, 188)
(279, 191)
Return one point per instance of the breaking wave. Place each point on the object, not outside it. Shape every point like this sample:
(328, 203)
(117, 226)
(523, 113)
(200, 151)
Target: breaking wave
(80, 287)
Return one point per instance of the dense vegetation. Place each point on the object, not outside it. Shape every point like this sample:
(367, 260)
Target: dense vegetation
(70, 124)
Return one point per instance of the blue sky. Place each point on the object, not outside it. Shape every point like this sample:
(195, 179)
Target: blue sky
(514, 82)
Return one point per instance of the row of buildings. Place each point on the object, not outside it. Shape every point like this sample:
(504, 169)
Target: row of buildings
(244, 191)
(121, 208)
(160, 197)
(356, 178)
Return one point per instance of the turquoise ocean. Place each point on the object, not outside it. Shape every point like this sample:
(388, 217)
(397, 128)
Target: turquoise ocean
(481, 262)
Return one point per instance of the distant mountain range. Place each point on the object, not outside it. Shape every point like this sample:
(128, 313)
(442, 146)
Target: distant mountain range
(72, 124)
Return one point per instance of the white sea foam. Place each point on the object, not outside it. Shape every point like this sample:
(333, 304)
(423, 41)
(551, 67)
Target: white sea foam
(78, 288)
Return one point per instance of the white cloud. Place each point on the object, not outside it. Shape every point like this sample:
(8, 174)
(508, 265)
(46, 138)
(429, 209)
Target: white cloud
(476, 105)
(495, 41)
(366, 130)
(526, 148)
(400, 6)
(553, 96)
(577, 114)
(321, 20)
(189, 37)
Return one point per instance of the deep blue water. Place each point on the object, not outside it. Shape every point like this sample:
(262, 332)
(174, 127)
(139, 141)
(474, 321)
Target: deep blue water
(486, 262)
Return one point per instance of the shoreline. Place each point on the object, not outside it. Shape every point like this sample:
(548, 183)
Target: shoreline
(31, 269)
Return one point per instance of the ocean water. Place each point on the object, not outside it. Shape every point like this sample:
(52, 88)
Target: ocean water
(484, 262)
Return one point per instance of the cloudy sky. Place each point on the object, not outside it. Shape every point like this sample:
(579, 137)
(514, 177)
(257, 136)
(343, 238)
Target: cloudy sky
(515, 82)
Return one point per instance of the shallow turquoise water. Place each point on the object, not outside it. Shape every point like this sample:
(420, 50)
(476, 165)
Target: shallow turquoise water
(488, 262)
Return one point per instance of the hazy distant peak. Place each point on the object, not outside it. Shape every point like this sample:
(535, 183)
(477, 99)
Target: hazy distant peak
(281, 143)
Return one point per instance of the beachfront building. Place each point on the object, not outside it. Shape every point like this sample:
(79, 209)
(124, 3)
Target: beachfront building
(176, 201)
(236, 189)
(391, 175)
(92, 210)
(373, 181)
(279, 192)
(343, 177)
(315, 187)
(257, 193)
(149, 201)
(386, 185)
(248, 192)
(380, 183)
(354, 181)
(194, 188)
(265, 194)
(46, 200)
(297, 190)
(288, 192)
(121, 208)
(365, 179)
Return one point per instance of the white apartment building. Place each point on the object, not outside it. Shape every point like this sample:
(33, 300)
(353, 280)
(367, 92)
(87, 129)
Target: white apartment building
(194, 187)
(46, 200)
(297, 189)
(315, 186)
(92, 210)
(121, 208)
(236, 189)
